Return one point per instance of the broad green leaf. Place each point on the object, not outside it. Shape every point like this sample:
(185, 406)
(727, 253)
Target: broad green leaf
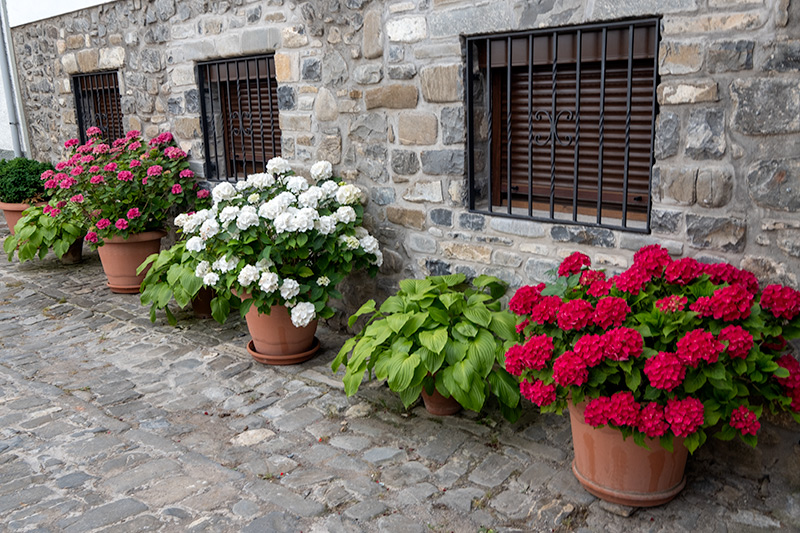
(466, 329)
(397, 321)
(364, 349)
(438, 315)
(414, 323)
(392, 304)
(434, 340)
(473, 397)
(379, 331)
(220, 307)
(463, 373)
(455, 351)
(692, 442)
(479, 315)
(190, 282)
(633, 379)
(368, 307)
(505, 387)
(781, 373)
(694, 380)
(431, 360)
(401, 370)
(504, 325)
(415, 287)
(410, 395)
(163, 296)
(715, 371)
(342, 355)
(353, 378)
(450, 298)
(450, 280)
(481, 353)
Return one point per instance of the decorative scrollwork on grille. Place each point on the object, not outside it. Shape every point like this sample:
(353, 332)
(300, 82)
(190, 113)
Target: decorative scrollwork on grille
(553, 136)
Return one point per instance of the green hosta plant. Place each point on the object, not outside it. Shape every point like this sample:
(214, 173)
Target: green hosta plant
(37, 232)
(439, 333)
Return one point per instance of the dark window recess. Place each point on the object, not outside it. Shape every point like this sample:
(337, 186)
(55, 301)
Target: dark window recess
(97, 104)
(240, 116)
(561, 122)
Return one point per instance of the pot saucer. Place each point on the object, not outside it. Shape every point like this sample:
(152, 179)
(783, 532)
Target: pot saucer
(288, 359)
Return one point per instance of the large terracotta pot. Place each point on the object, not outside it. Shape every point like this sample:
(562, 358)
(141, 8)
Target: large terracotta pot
(276, 341)
(620, 471)
(121, 257)
(438, 405)
(13, 212)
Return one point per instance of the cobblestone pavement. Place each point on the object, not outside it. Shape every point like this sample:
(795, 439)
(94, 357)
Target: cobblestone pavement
(109, 422)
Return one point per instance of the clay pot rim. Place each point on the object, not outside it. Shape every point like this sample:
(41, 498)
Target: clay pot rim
(137, 237)
(289, 359)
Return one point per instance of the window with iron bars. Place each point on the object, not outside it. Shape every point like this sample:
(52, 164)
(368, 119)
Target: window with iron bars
(97, 104)
(239, 105)
(560, 124)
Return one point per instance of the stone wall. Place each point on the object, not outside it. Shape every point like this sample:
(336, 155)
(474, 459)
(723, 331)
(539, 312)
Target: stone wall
(376, 87)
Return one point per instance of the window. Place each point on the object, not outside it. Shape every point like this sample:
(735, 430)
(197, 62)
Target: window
(239, 105)
(560, 124)
(97, 104)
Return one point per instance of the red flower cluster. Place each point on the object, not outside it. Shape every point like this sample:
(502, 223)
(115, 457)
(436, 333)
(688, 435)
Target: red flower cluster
(702, 306)
(569, 369)
(782, 302)
(699, 345)
(665, 371)
(684, 416)
(632, 280)
(590, 276)
(672, 303)
(731, 303)
(533, 354)
(790, 363)
(683, 271)
(546, 310)
(653, 259)
(740, 341)
(720, 273)
(575, 314)
(525, 299)
(538, 392)
(651, 421)
(600, 288)
(621, 344)
(745, 420)
(573, 264)
(590, 349)
(596, 412)
(611, 311)
(623, 409)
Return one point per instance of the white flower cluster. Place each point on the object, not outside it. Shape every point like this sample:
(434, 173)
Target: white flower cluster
(321, 170)
(278, 165)
(302, 314)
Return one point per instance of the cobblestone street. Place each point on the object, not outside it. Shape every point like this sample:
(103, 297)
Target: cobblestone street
(109, 422)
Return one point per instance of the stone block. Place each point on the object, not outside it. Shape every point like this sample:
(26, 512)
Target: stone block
(714, 186)
(88, 60)
(311, 69)
(784, 57)
(150, 60)
(453, 125)
(417, 128)
(680, 58)
(470, 20)
(540, 270)
(287, 67)
(75, 42)
(726, 234)
(260, 40)
(295, 122)
(467, 252)
(294, 36)
(409, 218)
(729, 56)
(187, 128)
(407, 29)
(421, 243)
(368, 127)
(325, 108)
(775, 184)
(675, 93)
(286, 97)
(705, 134)
(441, 217)
(383, 195)
(183, 75)
(394, 96)
(665, 221)
(424, 192)
(716, 23)
(604, 9)
(516, 226)
(509, 259)
(70, 63)
(405, 71)
(368, 74)
(634, 241)
(330, 149)
(763, 106)
(668, 129)
(439, 162)
(405, 162)
(441, 84)
(372, 44)
(472, 221)
(583, 235)
(111, 58)
(678, 185)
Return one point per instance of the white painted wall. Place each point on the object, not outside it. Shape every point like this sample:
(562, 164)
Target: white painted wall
(25, 11)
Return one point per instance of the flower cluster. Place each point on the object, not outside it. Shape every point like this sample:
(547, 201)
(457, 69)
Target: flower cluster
(665, 349)
(275, 239)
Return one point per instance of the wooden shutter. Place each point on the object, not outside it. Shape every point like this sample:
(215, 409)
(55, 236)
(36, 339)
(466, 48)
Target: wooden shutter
(97, 103)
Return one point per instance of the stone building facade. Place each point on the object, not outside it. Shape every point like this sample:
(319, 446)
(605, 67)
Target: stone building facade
(377, 87)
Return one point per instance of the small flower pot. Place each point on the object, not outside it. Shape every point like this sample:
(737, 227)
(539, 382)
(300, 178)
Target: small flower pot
(74, 253)
(276, 341)
(121, 257)
(438, 405)
(201, 303)
(13, 212)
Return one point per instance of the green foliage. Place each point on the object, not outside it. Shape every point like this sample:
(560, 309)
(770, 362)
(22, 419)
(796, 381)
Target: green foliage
(36, 233)
(20, 180)
(439, 332)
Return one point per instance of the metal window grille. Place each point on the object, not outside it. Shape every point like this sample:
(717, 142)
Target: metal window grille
(239, 105)
(560, 124)
(97, 103)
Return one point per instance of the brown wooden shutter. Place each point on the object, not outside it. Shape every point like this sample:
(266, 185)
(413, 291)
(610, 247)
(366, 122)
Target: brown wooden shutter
(97, 103)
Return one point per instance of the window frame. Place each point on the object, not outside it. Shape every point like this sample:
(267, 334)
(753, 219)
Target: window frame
(485, 41)
(110, 98)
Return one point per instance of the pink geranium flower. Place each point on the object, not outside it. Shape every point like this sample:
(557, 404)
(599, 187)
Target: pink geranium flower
(121, 224)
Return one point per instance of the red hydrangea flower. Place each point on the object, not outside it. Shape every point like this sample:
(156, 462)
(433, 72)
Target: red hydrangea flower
(575, 314)
(720, 273)
(71, 142)
(793, 366)
(94, 130)
(176, 189)
(745, 421)
(134, 146)
(187, 174)
(684, 416)
(87, 159)
(121, 224)
(111, 167)
(76, 171)
(125, 175)
(202, 193)
(702, 306)
(590, 276)
(78, 198)
(533, 354)
(523, 301)
(546, 310)
(155, 170)
(522, 325)
(600, 288)
(101, 148)
(515, 363)
(538, 392)
(596, 412)
(683, 271)
(611, 311)
(569, 369)
(573, 264)
(94, 169)
(652, 259)
(47, 174)
(672, 303)
(94, 180)
(590, 349)
(91, 236)
(794, 394)
(665, 371)
(740, 341)
(776, 344)
(103, 223)
(632, 280)
(50, 184)
(623, 409)
(782, 302)
(68, 182)
(621, 344)
(698, 345)
(651, 421)
(135, 163)
(133, 213)
(731, 303)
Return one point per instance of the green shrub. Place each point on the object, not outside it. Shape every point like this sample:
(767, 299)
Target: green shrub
(20, 180)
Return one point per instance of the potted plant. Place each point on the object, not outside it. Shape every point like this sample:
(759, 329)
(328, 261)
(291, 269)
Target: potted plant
(440, 337)
(37, 232)
(651, 360)
(126, 190)
(20, 186)
(280, 245)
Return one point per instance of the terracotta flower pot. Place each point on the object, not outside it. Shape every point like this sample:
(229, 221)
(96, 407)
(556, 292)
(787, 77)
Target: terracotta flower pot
(438, 405)
(13, 212)
(620, 471)
(276, 341)
(201, 303)
(74, 253)
(121, 257)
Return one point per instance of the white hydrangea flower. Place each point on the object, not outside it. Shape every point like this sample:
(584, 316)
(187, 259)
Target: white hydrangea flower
(247, 217)
(225, 265)
(329, 188)
(264, 264)
(283, 222)
(289, 289)
(302, 314)
(261, 180)
(378, 258)
(345, 214)
(348, 194)
(296, 184)
(325, 224)
(248, 275)
(181, 219)
(195, 244)
(208, 229)
(229, 214)
(202, 268)
(321, 170)
(268, 282)
(349, 241)
(241, 185)
(304, 219)
(361, 232)
(323, 281)
(271, 209)
(311, 197)
(212, 278)
(370, 244)
(253, 198)
(223, 191)
(278, 165)
(195, 220)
